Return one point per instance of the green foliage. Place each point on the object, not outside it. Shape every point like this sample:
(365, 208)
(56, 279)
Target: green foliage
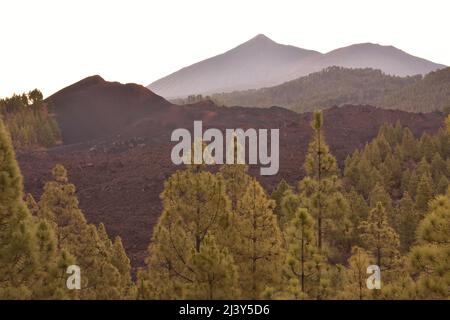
(356, 275)
(336, 86)
(90, 247)
(29, 120)
(30, 263)
(215, 274)
(195, 206)
(301, 250)
(406, 220)
(256, 242)
(417, 166)
(430, 259)
(289, 205)
(236, 182)
(18, 259)
(380, 238)
(324, 89)
(369, 217)
(320, 193)
(220, 236)
(429, 94)
(277, 195)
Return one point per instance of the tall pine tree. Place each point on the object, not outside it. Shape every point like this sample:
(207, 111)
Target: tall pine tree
(195, 206)
(27, 246)
(430, 259)
(256, 242)
(90, 248)
(380, 238)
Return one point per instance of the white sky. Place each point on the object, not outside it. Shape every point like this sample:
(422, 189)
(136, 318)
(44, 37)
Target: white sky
(49, 44)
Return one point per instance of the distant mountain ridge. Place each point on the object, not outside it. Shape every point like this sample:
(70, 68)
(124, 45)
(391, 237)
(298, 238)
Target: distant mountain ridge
(261, 62)
(256, 63)
(336, 86)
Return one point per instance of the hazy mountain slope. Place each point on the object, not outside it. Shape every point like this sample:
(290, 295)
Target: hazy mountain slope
(389, 59)
(261, 62)
(431, 93)
(337, 86)
(327, 88)
(255, 63)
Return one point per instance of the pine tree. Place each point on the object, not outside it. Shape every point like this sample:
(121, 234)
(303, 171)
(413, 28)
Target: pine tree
(430, 259)
(400, 288)
(374, 153)
(321, 279)
(235, 175)
(360, 173)
(358, 212)
(338, 227)
(404, 183)
(405, 221)
(426, 147)
(409, 146)
(356, 275)
(277, 195)
(438, 167)
(413, 181)
(380, 238)
(31, 205)
(215, 274)
(121, 262)
(116, 256)
(18, 245)
(423, 168)
(317, 161)
(321, 170)
(383, 145)
(91, 251)
(442, 140)
(424, 193)
(442, 185)
(256, 242)
(301, 248)
(37, 266)
(50, 279)
(367, 177)
(195, 205)
(289, 205)
(379, 194)
(236, 181)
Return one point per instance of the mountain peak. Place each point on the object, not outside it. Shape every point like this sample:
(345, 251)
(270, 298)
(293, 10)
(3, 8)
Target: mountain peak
(95, 79)
(82, 84)
(369, 46)
(260, 38)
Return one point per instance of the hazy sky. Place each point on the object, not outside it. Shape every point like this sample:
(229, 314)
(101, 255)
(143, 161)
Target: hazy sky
(49, 44)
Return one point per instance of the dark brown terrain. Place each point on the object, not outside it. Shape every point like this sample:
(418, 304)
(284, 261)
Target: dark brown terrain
(117, 147)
